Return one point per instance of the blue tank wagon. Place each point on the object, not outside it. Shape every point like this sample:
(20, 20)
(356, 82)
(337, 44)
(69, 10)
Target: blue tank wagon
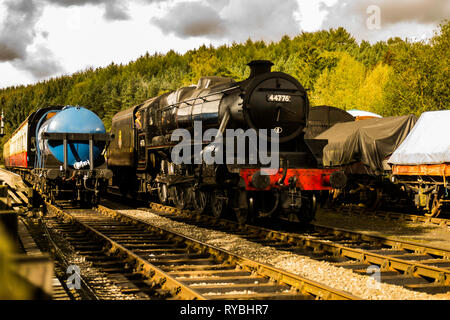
(63, 147)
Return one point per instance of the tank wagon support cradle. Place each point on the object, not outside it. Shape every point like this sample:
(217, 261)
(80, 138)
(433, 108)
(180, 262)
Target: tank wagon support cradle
(66, 137)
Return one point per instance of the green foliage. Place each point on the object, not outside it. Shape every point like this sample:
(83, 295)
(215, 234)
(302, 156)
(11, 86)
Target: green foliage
(340, 85)
(420, 78)
(370, 93)
(390, 78)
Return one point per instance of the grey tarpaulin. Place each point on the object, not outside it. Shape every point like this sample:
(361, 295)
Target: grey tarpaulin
(368, 141)
(428, 142)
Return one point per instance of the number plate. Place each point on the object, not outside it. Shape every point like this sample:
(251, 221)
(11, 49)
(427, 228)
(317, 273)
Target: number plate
(279, 98)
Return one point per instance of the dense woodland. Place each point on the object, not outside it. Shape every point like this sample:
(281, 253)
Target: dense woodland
(389, 78)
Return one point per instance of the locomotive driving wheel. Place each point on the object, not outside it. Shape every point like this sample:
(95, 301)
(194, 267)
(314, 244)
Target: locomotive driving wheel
(163, 194)
(180, 197)
(200, 200)
(218, 203)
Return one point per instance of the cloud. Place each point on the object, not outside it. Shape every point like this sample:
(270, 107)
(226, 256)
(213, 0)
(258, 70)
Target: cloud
(231, 19)
(40, 63)
(8, 52)
(420, 11)
(192, 19)
(408, 18)
(18, 35)
(17, 29)
(114, 9)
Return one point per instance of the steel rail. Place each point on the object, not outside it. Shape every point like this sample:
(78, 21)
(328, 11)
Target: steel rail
(141, 265)
(386, 263)
(58, 253)
(388, 241)
(404, 217)
(300, 284)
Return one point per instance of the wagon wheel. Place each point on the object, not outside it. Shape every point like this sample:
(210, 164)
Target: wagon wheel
(308, 209)
(94, 199)
(218, 203)
(200, 201)
(436, 207)
(378, 199)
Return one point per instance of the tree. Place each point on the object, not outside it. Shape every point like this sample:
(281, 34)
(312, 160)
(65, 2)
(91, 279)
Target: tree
(340, 86)
(370, 95)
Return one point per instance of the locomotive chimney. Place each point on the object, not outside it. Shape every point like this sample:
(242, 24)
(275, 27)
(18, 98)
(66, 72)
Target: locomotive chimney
(258, 67)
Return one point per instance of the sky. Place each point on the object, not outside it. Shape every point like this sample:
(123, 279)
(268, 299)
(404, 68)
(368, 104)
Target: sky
(41, 39)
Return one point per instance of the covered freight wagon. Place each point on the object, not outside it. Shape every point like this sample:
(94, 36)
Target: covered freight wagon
(422, 161)
(361, 149)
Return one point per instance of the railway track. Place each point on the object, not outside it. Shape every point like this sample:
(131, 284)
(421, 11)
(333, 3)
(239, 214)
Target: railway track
(392, 216)
(167, 265)
(47, 242)
(101, 276)
(411, 265)
(29, 247)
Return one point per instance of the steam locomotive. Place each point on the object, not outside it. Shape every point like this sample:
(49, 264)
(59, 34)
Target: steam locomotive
(59, 151)
(274, 106)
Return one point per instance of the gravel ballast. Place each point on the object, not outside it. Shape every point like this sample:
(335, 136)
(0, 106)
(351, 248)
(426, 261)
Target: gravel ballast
(340, 278)
(421, 233)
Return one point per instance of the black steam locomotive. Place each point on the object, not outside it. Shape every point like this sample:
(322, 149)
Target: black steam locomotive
(146, 137)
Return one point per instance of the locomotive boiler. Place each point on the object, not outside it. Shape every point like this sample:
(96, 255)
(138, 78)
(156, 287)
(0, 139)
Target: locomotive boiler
(268, 108)
(59, 151)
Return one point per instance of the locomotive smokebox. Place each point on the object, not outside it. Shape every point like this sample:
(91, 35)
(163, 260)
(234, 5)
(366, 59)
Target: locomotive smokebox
(258, 67)
(274, 101)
